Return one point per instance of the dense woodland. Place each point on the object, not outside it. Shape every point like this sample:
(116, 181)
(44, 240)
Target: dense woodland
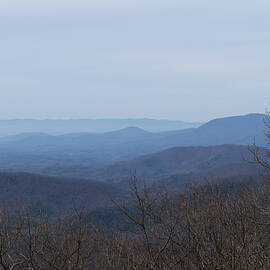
(205, 227)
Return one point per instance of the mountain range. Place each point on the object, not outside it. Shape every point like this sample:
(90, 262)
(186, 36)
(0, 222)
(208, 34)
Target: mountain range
(38, 152)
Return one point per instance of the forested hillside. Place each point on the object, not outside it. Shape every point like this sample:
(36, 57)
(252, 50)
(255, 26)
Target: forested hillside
(55, 195)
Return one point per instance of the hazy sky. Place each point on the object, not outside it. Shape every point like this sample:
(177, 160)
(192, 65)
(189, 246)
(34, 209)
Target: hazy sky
(172, 59)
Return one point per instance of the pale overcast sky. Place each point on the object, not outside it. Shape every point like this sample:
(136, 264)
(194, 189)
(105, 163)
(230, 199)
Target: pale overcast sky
(190, 60)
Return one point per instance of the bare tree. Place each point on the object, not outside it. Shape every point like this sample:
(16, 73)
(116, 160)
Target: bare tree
(261, 155)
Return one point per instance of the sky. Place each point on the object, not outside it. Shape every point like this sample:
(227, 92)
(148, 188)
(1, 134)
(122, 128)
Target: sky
(191, 60)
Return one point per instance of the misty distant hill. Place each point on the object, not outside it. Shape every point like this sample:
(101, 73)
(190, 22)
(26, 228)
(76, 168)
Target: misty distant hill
(241, 130)
(37, 152)
(59, 127)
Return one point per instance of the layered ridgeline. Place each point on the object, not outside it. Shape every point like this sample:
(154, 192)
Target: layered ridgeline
(39, 152)
(196, 162)
(216, 150)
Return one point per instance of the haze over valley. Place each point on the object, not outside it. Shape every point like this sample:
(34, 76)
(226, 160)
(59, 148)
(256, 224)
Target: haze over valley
(217, 148)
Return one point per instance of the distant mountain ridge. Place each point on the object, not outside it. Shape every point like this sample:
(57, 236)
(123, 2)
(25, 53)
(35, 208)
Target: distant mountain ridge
(60, 127)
